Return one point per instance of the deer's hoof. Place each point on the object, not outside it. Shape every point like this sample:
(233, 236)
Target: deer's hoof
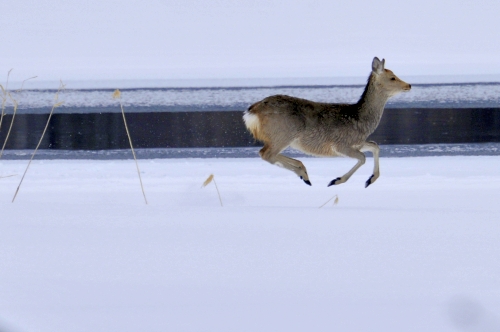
(333, 182)
(306, 181)
(369, 181)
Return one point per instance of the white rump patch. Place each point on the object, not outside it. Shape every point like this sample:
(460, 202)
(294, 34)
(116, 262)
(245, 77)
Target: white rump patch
(251, 121)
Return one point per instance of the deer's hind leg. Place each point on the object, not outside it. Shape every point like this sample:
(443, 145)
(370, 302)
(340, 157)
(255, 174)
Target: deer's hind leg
(272, 155)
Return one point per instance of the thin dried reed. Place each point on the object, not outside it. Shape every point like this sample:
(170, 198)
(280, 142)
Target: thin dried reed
(57, 103)
(4, 98)
(335, 202)
(11, 124)
(117, 95)
(6, 93)
(210, 179)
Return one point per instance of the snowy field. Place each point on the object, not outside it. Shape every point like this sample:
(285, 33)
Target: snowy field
(81, 251)
(239, 98)
(416, 251)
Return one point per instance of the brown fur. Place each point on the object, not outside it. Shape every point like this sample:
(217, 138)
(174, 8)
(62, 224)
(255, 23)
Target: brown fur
(323, 129)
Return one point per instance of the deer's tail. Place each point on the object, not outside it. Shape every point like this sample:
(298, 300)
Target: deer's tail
(252, 121)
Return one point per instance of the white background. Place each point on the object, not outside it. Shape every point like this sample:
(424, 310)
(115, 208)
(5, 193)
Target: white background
(190, 39)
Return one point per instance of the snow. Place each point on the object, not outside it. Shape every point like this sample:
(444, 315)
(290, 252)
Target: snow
(99, 40)
(437, 96)
(37, 84)
(416, 251)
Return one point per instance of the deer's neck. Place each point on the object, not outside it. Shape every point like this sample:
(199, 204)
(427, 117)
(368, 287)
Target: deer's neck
(371, 104)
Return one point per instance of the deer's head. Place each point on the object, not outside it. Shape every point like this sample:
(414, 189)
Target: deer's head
(386, 80)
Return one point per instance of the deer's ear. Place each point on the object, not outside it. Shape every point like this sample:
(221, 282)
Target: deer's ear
(377, 65)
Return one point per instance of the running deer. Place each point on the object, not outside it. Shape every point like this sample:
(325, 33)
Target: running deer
(324, 129)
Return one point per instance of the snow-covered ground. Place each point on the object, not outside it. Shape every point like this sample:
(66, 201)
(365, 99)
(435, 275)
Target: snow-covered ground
(416, 251)
(444, 95)
(80, 251)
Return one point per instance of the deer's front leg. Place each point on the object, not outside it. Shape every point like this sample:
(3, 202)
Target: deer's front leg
(353, 153)
(375, 150)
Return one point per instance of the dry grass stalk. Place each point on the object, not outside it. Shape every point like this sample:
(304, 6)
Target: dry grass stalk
(14, 101)
(210, 179)
(335, 202)
(11, 124)
(117, 95)
(22, 84)
(57, 103)
(4, 97)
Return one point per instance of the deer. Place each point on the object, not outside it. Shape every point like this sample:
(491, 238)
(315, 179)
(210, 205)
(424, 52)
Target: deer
(324, 129)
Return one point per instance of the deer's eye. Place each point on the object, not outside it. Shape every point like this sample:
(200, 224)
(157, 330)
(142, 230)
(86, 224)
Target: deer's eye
(393, 79)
